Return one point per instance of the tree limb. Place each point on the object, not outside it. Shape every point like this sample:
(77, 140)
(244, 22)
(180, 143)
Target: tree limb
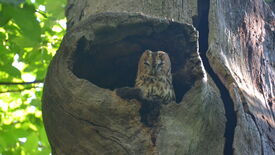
(21, 83)
(18, 90)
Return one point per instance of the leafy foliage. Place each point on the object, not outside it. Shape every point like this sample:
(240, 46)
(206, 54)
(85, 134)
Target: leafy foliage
(30, 33)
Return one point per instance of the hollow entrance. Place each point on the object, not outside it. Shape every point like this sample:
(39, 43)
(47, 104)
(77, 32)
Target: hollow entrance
(110, 58)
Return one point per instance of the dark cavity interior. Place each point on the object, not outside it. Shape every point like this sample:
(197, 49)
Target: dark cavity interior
(110, 60)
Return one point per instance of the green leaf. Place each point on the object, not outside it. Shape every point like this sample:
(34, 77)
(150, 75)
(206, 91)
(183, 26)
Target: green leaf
(5, 56)
(36, 102)
(25, 18)
(32, 57)
(30, 68)
(40, 74)
(40, 1)
(5, 17)
(45, 151)
(3, 143)
(20, 132)
(2, 37)
(11, 135)
(24, 42)
(26, 31)
(56, 8)
(12, 71)
(31, 144)
(43, 137)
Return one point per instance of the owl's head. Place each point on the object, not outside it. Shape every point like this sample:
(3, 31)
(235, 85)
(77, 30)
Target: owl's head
(154, 63)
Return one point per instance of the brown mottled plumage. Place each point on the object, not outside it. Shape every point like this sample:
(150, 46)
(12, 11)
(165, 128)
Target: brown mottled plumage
(154, 77)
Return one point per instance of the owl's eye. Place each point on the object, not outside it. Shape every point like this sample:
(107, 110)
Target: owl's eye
(146, 63)
(161, 63)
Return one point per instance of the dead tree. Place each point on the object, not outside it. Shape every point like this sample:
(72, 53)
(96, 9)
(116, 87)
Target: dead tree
(225, 103)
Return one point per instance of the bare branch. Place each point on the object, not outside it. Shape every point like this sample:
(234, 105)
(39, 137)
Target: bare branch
(21, 83)
(18, 90)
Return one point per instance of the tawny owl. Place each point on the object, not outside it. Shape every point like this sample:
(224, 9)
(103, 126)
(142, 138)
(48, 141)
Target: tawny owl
(154, 77)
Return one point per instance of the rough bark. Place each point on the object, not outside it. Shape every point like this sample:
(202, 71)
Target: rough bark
(83, 115)
(242, 53)
(179, 10)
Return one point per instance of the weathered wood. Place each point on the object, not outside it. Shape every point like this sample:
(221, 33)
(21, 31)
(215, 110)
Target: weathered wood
(242, 53)
(82, 114)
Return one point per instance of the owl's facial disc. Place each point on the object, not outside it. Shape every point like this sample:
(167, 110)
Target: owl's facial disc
(147, 63)
(155, 63)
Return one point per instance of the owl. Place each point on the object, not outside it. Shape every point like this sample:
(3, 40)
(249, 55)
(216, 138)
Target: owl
(154, 77)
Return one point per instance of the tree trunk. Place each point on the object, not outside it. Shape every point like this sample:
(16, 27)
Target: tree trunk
(242, 53)
(233, 113)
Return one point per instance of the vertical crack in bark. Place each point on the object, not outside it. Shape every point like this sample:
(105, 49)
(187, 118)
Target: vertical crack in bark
(247, 111)
(203, 28)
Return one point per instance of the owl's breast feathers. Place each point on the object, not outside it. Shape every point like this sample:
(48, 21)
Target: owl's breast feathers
(156, 87)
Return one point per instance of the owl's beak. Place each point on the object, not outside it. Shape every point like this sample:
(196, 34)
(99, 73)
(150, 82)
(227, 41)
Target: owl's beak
(153, 72)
